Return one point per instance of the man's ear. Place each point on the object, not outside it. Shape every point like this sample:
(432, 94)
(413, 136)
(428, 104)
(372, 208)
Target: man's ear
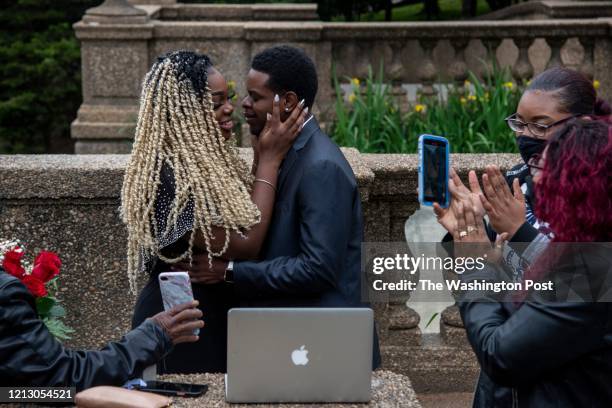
(291, 101)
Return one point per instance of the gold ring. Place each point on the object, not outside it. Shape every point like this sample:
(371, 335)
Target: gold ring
(462, 234)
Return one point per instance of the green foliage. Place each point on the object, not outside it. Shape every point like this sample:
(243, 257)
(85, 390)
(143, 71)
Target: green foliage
(449, 10)
(471, 117)
(52, 313)
(431, 319)
(40, 84)
(58, 329)
(371, 121)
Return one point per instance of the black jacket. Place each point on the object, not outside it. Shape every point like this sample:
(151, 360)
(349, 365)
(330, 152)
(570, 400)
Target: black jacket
(312, 253)
(31, 356)
(547, 352)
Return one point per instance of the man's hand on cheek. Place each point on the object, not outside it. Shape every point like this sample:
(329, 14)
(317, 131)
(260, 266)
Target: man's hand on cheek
(202, 271)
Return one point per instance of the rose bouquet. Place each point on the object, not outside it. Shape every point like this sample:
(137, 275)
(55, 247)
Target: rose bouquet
(41, 280)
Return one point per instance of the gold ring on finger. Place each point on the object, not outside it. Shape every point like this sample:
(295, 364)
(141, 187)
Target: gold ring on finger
(462, 234)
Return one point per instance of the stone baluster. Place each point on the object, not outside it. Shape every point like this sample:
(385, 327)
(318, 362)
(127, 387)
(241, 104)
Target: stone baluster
(555, 44)
(491, 44)
(403, 329)
(522, 69)
(427, 72)
(458, 69)
(395, 73)
(362, 62)
(452, 330)
(344, 53)
(587, 68)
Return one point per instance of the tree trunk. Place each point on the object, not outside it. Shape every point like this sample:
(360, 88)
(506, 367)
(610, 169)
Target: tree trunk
(431, 8)
(388, 10)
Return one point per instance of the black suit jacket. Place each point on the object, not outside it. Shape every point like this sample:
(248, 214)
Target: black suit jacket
(312, 253)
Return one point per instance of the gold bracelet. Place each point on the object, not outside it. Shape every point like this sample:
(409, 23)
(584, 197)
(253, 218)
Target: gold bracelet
(267, 182)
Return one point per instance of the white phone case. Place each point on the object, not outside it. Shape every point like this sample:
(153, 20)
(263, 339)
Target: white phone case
(175, 289)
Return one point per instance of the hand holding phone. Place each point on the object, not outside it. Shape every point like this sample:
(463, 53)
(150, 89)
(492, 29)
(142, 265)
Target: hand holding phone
(176, 289)
(434, 170)
(181, 323)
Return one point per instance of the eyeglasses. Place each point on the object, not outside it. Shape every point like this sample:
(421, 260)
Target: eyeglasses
(534, 165)
(536, 129)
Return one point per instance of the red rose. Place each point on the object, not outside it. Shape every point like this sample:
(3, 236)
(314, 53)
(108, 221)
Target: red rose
(12, 263)
(35, 286)
(46, 266)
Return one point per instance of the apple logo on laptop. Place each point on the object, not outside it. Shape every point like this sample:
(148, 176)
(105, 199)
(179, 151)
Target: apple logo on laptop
(299, 357)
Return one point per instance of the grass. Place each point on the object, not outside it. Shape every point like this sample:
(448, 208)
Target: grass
(449, 10)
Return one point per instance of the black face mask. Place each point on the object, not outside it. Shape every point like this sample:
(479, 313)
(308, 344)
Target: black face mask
(530, 146)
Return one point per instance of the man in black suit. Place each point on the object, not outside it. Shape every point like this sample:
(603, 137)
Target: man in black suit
(312, 252)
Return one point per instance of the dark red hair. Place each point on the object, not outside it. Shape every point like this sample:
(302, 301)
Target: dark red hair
(574, 193)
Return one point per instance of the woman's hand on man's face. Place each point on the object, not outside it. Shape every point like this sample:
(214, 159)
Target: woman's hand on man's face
(506, 210)
(277, 137)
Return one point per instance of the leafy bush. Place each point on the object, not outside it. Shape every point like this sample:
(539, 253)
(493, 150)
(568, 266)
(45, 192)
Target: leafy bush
(40, 82)
(471, 117)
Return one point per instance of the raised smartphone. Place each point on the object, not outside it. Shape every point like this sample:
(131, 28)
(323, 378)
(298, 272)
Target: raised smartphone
(173, 389)
(433, 170)
(176, 289)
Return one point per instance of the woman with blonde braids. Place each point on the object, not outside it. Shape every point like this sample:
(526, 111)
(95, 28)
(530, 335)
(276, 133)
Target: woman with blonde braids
(186, 191)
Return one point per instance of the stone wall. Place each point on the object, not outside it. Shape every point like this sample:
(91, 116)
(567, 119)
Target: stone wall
(119, 43)
(69, 204)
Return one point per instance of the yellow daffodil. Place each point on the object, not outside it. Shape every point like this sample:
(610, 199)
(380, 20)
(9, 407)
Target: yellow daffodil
(596, 84)
(472, 97)
(466, 83)
(352, 97)
(463, 100)
(419, 108)
(355, 82)
(509, 85)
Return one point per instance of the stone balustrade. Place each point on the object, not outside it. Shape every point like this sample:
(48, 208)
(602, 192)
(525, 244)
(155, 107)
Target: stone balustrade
(119, 41)
(70, 204)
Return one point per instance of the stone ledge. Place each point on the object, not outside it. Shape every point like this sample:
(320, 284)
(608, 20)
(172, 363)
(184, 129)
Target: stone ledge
(434, 366)
(56, 176)
(239, 12)
(398, 172)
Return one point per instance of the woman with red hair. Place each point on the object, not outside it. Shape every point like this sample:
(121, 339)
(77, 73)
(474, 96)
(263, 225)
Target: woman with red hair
(555, 348)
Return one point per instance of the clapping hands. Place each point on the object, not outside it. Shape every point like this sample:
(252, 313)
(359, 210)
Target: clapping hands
(505, 209)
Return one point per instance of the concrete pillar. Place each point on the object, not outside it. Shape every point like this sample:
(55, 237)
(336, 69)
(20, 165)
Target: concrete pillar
(115, 57)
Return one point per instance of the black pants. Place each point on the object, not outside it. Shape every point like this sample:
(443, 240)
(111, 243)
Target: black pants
(209, 353)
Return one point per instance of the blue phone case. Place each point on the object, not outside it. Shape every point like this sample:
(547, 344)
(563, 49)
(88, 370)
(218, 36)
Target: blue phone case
(421, 171)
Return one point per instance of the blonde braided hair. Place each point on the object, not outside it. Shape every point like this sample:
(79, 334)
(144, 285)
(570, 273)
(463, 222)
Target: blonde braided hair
(177, 127)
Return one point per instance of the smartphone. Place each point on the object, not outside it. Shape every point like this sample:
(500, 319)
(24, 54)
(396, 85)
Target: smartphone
(176, 289)
(173, 389)
(433, 170)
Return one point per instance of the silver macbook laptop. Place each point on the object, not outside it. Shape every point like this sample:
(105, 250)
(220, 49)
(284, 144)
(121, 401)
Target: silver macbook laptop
(299, 355)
